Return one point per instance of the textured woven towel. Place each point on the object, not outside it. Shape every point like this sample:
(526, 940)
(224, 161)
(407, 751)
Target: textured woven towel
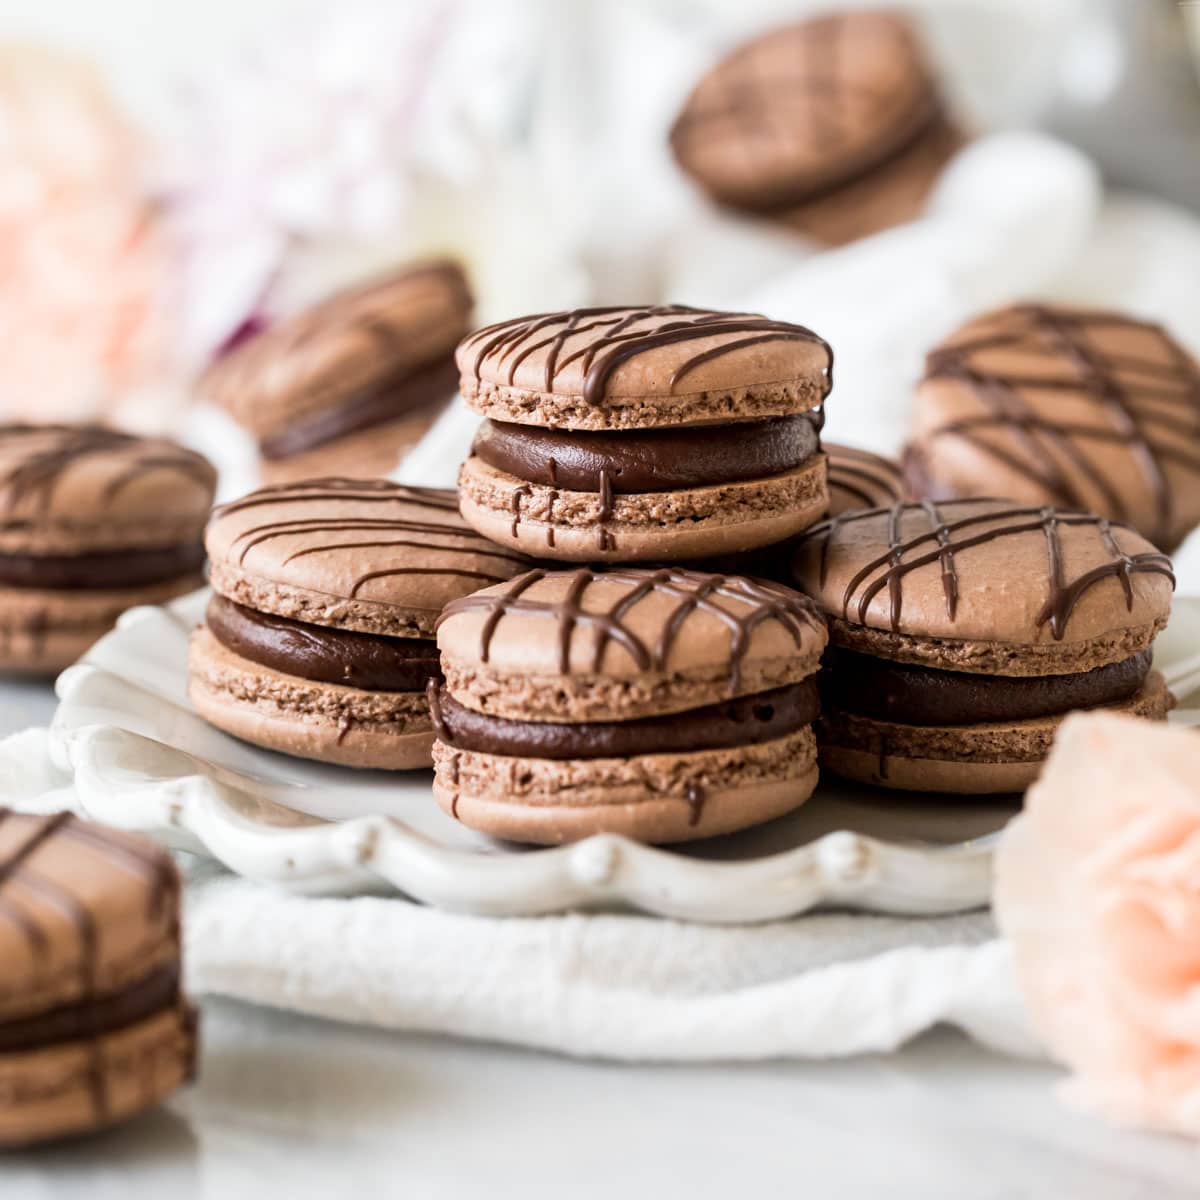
(614, 986)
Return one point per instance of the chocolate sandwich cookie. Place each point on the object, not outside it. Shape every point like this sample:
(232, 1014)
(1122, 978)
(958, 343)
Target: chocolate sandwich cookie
(92, 522)
(834, 125)
(350, 384)
(1075, 407)
(93, 1025)
(963, 633)
(660, 704)
(860, 479)
(319, 638)
(643, 434)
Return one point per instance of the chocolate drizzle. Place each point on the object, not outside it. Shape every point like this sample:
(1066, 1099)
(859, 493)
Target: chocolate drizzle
(609, 337)
(446, 536)
(35, 474)
(741, 605)
(1150, 406)
(604, 537)
(980, 522)
(519, 494)
(151, 864)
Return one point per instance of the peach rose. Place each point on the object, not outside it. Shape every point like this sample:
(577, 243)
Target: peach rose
(81, 295)
(1098, 891)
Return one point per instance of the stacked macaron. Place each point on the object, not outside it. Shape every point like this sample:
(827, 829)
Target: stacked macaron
(644, 434)
(349, 385)
(1049, 405)
(93, 1026)
(964, 632)
(318, 640)
(834, 125)
(661, 704)
(92, 522)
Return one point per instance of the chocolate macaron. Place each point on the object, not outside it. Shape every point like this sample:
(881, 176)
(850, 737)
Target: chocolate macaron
(93, 1025)
(319, 638)
(663, 705)
(92, 522)
(963, 633)
(349, 385)
(1075, 407)
(644, 434)
(860, 479)
(834, 125)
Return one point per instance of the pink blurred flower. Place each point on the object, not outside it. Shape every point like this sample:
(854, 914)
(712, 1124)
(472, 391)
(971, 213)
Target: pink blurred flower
(84, 263)
(1098, 890)
(304, 140)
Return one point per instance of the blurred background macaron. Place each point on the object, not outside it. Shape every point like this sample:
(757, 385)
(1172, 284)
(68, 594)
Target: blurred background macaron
(860, 479)
(963, 633)
(94, 1027)
(319, 639)
(1081, 408)
(92, 522)
(665, 705)
(347, 386)
(834, 125)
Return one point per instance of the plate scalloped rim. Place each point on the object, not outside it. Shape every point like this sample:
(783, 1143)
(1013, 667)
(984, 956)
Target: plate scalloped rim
(133, 683)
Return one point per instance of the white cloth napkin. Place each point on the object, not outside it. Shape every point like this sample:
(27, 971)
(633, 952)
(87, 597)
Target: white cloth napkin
(606, 985)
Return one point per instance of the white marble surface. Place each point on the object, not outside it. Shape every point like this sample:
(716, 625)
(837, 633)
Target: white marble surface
(290, 1107)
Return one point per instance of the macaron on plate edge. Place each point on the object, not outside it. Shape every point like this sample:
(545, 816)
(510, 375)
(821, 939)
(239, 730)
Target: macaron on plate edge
(141, 759)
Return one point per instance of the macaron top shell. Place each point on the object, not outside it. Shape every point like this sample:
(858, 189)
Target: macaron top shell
(1075, 407)
(986, 571)
(586, 626)
(354, 342)
(81, 489)
(806, 107)
(90, 910)
(356, 554)
(621, 367)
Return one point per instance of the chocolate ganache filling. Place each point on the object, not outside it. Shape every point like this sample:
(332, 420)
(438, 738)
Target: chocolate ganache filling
(418, 389)
(94, 1017)
(648, 460)
(744, 721)
(889, 691)
(370, 662)
(115, 569)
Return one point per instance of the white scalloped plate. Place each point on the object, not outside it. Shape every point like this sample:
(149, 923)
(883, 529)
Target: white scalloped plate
(142, 759)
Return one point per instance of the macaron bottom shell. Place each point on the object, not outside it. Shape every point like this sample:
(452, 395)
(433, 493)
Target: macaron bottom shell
(44, 631)
(78, 1086)
(981, 759)
(693, 523)
(322, 721)
(654, 798)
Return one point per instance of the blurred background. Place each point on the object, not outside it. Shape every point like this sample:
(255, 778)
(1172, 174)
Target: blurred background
(175, 177)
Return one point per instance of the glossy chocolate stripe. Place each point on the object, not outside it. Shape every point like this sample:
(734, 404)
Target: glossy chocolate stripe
(107, 570)
(368, 661)
(889, 691)
(96, 1016)
(745, 721)
(650, 460)
(426, 387)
